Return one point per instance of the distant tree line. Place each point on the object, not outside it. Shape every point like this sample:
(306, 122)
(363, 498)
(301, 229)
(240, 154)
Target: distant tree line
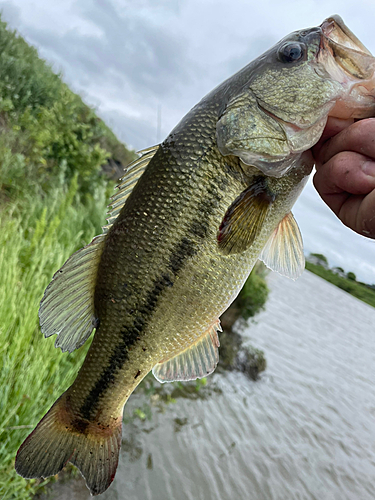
(318, 264)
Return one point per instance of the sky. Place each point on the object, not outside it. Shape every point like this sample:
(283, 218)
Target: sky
(141, 62)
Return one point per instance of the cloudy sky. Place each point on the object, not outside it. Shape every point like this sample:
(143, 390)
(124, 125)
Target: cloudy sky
(130, 59)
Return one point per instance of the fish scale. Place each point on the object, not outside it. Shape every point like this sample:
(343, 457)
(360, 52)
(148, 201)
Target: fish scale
(188, 222)
(197, 290)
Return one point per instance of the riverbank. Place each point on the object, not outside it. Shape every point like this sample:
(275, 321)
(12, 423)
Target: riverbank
(361, 291)
(53, 198)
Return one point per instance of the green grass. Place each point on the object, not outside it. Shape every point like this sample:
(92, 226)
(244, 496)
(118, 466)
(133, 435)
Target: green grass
(359, 290)
(49, 139)
(35, 240)
(46, 131)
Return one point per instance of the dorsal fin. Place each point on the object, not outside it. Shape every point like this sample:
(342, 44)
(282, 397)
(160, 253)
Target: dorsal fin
(126, 186)
(67, 307)
(196, 361)
(283, 252)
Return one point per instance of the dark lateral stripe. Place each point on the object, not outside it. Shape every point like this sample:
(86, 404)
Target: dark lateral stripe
(186, 248)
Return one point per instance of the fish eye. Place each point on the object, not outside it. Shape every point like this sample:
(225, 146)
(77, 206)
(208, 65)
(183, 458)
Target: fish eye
(291, 52)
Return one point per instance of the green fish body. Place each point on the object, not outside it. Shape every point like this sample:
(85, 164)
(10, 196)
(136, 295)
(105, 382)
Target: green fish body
(190, 219)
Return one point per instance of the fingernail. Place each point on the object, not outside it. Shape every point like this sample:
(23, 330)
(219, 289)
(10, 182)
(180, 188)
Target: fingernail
(368, 167)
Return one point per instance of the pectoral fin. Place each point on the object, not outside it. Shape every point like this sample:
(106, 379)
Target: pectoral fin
(283, 252)
(196, 361)
(244, 219)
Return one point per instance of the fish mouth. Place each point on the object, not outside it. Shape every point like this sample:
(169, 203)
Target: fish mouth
(350, 63)
(335, 30)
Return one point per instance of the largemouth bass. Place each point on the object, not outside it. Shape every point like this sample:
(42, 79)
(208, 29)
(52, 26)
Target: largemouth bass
(189, 220)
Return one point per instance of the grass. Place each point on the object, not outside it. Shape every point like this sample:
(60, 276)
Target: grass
(359, 290)
(46, 131)
(49, 139)
(35, 240)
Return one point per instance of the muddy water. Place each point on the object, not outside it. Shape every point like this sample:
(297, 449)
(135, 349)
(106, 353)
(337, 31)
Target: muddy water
(305, 430)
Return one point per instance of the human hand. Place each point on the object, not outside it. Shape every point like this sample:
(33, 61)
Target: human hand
(345, 172)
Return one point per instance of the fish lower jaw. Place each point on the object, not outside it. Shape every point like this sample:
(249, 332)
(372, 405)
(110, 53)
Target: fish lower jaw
(359, 104)
(281, 167)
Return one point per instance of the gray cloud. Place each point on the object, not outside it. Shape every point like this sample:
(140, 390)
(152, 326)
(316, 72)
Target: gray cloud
(132, 130)
(11, 13)
(130, 50)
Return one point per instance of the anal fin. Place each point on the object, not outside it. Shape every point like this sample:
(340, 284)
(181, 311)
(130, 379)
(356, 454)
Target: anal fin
(196, 361)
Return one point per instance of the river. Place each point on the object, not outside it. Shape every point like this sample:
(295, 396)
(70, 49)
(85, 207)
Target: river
(304, 430)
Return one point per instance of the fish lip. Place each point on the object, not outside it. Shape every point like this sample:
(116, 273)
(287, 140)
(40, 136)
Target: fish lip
(344, 59)
(348, 52)
(335, 30)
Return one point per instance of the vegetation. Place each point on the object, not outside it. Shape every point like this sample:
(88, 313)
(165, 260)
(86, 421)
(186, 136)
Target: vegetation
(53, 199)
(46, 131)
(362, 291)
(320, 258)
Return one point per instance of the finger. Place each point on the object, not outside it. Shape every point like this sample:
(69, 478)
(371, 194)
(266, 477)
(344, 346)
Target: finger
(358, 213)
(346, 183)
(359, 138)
(333, 127)
(346, 172)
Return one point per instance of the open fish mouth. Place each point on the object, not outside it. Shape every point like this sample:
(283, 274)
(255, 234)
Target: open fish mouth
(350, 63)
(335, 30)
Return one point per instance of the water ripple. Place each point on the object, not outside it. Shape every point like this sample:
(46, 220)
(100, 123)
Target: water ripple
(305, 431)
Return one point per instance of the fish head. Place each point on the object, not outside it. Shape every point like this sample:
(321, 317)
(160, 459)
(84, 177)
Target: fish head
(281, 101)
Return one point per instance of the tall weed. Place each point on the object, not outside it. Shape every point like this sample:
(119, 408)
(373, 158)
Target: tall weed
(35, 240)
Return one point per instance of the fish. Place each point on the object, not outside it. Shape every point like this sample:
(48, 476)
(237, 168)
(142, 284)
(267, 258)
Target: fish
(186, 225)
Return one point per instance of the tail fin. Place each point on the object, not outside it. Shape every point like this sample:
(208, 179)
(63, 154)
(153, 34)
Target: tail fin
(59, 439)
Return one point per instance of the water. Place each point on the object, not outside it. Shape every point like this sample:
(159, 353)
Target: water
(305, 430)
